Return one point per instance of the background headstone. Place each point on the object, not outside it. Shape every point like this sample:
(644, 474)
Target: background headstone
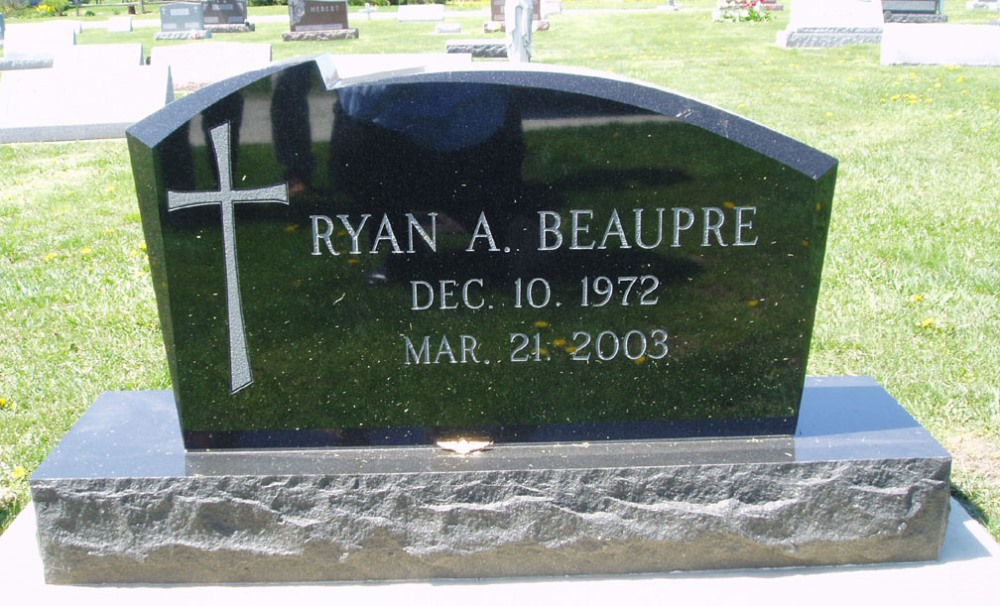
(913, 11)
(36, 45)
(318, 20)
(227, 16)
(915, 44)
(119, 25)
(827, 23)
(182, 21)
(33, 104)
(196, 65)
(420, 12)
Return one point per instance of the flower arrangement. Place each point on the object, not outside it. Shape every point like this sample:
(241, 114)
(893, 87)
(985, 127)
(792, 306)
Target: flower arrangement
(741, 10)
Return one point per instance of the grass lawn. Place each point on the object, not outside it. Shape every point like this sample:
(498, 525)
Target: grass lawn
(912, 274)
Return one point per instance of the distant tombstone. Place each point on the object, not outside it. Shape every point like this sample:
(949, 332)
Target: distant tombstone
(38, 41)
(33, 104)
(517, 14)
(196, 65)
(318, 20)
(916, 44)
(497, 20)
(227, 16)
(420, 12)
(913, 11)
(117, 58)
(119, 25)
(828, 23)
(182, 21)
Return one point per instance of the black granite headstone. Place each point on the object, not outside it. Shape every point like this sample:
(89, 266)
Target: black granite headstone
(529, 255)
(226, 12)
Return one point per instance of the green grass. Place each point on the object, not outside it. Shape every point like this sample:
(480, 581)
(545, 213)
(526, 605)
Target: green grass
(910, 288)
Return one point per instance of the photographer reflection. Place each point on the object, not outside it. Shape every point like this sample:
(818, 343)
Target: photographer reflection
(454, 150)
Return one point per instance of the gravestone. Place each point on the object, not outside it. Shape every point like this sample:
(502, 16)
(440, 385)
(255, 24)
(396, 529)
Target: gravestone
(828, 23)
(498, 21)
(120, 25)
(227, 16)
(420, 12)
(182, 21)
(599, 294)
(196, 65)
(33, 103)
(115, 58)
(913, 11)
(965, 44)
(318, 20)
(518, 27)
(36, 45)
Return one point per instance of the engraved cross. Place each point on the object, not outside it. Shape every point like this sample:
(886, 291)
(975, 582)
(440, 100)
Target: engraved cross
(239, 359)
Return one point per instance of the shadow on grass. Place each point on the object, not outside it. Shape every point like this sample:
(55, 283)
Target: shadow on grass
(967, 502)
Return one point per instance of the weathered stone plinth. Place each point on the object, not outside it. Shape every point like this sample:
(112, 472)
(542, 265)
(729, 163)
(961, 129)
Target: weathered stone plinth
(119, 501)
(348, 33)
(828, 37)
(232, 28)
(194, 34)
(481, 49)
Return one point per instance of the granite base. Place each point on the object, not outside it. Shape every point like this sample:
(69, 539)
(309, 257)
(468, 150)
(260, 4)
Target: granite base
(350, 33)
(828, 37)
(479, 49)
(194, 34)
(120, 501)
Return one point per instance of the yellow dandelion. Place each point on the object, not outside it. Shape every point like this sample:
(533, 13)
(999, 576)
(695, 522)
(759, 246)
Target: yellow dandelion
(20, 472)
(353, 261)
(753, 303)
(729, 205)
(296, 283)
(3, 403)
(560, 343)
(960, 79)
(805, 243)
(571, 349)
(86, 250)
(291, 228)
(142, 246)
(342, 233)
(828, 114)
(917, 298)
(640, 360)
(49, 257)
(541, 324)
(543, 352)
(928, 323)
(111, 189)
(819, 207)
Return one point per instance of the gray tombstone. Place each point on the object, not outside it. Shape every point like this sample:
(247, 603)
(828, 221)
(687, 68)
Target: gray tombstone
(477, 323)
(827, 23)
(517, 21)
(182, 20)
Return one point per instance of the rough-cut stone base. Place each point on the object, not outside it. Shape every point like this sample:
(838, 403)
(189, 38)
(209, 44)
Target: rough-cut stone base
(232, 28)
(827, 37)
(349, 33)
(194, 34)
(482, 49)
(119, 501)
(914, 18)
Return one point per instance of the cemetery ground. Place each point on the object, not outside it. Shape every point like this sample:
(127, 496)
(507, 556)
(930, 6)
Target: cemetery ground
(912, 274)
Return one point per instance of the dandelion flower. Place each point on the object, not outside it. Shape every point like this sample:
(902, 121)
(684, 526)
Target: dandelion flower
(3, 403)
(928, 323)
(49, 257)
(86, 250)
(729, 205)
(917, 298)
(20, 472)
(291, 228)
(541, 324)
(560, 343)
